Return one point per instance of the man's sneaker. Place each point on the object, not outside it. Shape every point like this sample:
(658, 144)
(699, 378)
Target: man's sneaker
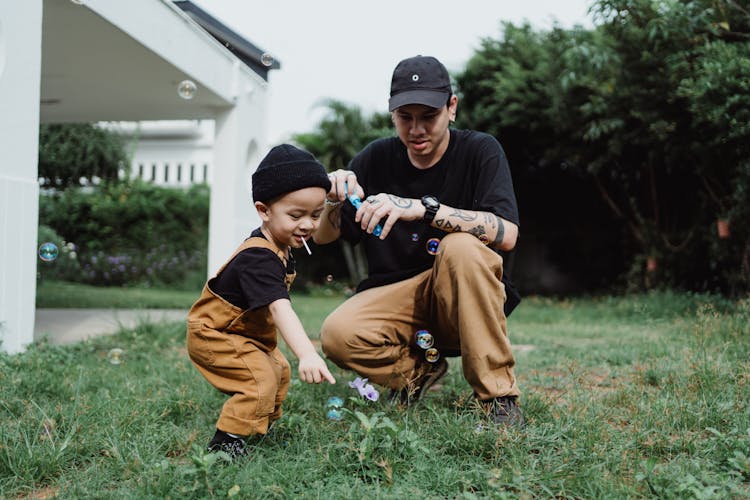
(233, 446)
(504, 411)
(428, 375)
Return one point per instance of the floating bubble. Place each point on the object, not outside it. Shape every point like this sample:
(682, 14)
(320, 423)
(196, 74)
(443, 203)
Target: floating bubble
(414, 237)
(334, 414)
(48, 252)
(186, 89)
(335, 402)
(266, 59)
(329, 278)
(431, 355)
(114, 356)
(432, 246)
(424, 339)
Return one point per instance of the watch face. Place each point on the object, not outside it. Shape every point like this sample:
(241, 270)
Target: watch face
(430, 201)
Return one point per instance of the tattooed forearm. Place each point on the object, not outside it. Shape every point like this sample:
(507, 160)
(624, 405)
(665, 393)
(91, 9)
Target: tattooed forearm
(400, 202)
(500, 232)
(485, 226)
(464, 215)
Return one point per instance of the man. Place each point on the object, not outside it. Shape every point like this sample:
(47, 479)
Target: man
(444, 201)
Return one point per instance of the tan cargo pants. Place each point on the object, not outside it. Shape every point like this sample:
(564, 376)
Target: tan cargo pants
(460, 301)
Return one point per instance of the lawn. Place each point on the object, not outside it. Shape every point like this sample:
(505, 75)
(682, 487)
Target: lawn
(55, 294)
(640, 396)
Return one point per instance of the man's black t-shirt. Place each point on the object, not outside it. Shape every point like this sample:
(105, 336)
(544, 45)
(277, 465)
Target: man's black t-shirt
(473, 174)
(254, 278)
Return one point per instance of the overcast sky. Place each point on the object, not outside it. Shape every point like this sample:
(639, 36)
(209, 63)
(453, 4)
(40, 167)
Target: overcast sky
(347, 49)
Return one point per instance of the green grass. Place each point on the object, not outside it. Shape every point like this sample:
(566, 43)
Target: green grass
(61, 294)
(643, 396)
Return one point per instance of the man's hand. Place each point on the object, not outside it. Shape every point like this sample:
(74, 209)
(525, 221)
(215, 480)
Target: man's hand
(390, 207)
(343, 183)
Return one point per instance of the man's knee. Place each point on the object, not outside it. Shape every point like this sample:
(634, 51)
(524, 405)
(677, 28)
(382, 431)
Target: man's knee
(458, 249)
(333, 337)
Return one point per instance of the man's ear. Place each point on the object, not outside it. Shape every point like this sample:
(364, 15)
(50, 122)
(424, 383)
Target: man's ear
(263, 211)
(452, 108)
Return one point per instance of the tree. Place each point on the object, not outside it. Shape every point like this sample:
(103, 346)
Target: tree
(70, 153)
(651, 106)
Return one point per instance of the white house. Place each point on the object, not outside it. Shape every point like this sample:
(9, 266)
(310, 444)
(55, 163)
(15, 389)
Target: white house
(172, 153)
(118, 61)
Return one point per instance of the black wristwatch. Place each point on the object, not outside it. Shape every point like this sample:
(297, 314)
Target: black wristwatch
(431, 206)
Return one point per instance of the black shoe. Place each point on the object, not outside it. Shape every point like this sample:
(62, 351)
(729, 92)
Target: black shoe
(415, 389)
(233, 446)
(504, 411)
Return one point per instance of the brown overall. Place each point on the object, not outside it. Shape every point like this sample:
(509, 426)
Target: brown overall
(237, 353)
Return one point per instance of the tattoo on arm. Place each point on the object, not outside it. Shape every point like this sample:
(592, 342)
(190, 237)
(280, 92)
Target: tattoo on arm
(480, 233)
(477, 223)
(490, 220)
(500, 232)
(400, 202)
(465, 216)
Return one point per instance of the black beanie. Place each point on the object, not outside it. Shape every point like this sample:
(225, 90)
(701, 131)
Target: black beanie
(285, 169)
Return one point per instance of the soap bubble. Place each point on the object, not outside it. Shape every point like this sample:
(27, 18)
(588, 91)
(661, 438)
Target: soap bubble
(424, 339)
(329, 278)
(432, 246)
(334, 414)
(431, 355)
(48, 252)
(114, 356)
(266, 59)
(186, 89)
(335, 402)
(414, 237)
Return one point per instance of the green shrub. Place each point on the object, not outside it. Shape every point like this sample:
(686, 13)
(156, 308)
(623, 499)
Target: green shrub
(66, 266)
(131, 233)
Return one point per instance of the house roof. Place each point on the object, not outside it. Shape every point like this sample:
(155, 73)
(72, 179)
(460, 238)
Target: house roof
(124, 61)
(249, 53)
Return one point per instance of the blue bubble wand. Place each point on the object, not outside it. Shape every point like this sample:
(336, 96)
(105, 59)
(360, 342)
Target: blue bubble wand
(354, 200)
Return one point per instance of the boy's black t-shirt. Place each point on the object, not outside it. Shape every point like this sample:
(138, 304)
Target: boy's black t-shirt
(254, 278)
(473, 174)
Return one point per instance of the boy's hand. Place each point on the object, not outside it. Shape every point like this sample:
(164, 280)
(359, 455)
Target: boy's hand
(313, 370)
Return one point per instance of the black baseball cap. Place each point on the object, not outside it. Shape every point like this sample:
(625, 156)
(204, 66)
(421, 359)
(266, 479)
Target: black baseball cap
(420, 80)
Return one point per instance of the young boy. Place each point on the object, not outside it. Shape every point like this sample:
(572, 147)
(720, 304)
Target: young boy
(231, 335)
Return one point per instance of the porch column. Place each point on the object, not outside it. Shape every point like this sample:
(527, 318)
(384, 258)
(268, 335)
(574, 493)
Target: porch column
(238, 148)
(20, 73)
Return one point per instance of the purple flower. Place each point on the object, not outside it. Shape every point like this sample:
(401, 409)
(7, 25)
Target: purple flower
(365, 390)
(358, 383)
(370, 392)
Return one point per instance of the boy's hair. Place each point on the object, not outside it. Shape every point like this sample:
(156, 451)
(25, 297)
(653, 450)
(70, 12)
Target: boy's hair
(285, 169)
